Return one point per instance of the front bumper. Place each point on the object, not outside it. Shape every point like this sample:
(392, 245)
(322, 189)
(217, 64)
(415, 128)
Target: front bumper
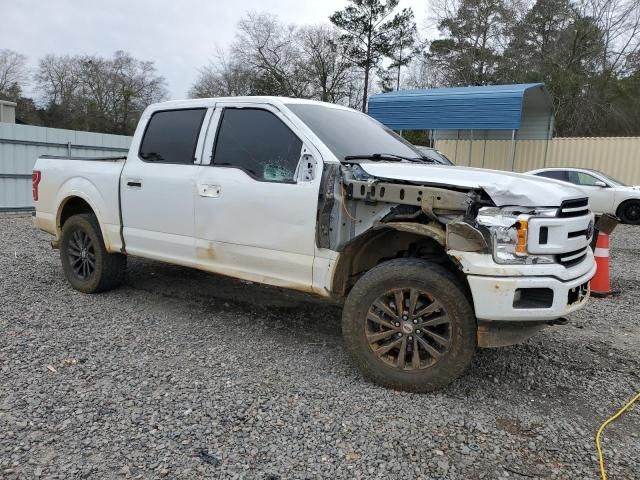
(493, 297)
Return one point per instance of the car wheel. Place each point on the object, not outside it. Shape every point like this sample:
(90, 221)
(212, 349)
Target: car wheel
(87, 265)
(408, 325)
(629, 212)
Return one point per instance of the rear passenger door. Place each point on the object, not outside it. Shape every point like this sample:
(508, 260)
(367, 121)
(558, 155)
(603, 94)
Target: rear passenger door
(257, 198)
(158, 186)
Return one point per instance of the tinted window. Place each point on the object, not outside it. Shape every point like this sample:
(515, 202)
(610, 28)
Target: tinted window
(584, 179)
(171, 136)
(555, 174)
(259, 143)
(347, 132)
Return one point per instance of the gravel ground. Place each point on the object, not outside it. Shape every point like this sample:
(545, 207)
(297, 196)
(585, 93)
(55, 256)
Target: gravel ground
(182, 374)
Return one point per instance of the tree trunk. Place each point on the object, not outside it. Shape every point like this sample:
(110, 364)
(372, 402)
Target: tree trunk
(366, 88)
(399, 63)
(367, 65)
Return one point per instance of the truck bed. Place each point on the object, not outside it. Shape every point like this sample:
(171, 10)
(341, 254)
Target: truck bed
(94, 179)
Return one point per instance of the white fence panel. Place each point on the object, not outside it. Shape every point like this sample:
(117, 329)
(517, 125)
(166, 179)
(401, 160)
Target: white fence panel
(616, 156)
(21, 145)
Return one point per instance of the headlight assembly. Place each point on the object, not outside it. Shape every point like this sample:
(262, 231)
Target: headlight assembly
(509, 230)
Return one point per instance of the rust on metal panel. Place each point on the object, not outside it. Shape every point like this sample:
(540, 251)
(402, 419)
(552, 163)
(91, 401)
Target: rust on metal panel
(208, 253)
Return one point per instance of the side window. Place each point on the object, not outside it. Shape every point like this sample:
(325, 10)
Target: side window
(171, 136)
(587, 180)
(573, 178)
(257, 142)
(555, 174)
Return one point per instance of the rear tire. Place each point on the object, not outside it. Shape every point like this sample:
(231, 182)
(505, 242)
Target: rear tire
(436, 321)
(629, 212)
(88, 266)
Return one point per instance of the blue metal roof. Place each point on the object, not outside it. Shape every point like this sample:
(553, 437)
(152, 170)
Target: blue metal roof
(464, 108)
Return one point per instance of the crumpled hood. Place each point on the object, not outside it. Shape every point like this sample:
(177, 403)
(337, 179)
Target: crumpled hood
(504, 188)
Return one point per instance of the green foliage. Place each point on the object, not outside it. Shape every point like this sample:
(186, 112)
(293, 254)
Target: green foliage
(416, 137)
(371, 34)
(583, 51)
(402, 35)
(469, 50)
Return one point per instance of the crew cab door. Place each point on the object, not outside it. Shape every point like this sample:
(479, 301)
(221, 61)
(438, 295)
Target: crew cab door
(158, 186)
(257, 197)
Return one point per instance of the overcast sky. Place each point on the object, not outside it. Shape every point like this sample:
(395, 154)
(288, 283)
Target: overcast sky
(179, 35)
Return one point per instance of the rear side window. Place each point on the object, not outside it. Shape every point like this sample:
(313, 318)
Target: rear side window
(555, 174)
(259, 143)
(171, 136)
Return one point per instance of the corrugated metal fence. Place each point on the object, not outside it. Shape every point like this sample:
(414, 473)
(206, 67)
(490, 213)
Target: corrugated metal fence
(616, 156)
(21, 145)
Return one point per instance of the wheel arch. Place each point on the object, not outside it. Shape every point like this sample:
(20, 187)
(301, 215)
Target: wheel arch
(623, 204)
(75, 203)
(388, 242)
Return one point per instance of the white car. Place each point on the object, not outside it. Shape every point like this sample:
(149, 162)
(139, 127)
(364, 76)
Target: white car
(606, 194)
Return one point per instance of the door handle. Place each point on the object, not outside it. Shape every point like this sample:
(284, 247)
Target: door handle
(208, 190)
(134, 183)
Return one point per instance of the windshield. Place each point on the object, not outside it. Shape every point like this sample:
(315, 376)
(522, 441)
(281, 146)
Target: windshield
(347, 132)
(612, 180)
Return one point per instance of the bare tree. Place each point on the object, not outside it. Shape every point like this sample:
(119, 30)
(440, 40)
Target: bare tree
(422, 73)
(618, 22)
(269, 48)
(58, 78)
(13, 72)
(222, 78)
(135, 85)
(95, 93)
(329, 71)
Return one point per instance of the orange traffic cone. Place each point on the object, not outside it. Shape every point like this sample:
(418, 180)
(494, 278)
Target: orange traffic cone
(600, 284)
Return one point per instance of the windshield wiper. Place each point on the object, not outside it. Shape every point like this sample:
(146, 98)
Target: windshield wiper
(382, 157)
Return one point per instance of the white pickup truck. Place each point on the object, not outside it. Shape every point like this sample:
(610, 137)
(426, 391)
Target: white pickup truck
(430, 261)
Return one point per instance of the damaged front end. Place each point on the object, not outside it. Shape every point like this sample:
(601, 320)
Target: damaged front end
(354, 202)
(369, 219)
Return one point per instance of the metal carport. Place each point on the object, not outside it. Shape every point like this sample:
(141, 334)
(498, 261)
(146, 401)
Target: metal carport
(493, 112)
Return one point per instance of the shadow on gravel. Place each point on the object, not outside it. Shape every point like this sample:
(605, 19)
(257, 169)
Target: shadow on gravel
(295, 318)
(542, 368)
(216, 292)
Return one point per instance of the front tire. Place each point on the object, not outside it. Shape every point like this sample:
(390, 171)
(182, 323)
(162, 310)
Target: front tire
(87, 265)
(629, 212)
(408, 325)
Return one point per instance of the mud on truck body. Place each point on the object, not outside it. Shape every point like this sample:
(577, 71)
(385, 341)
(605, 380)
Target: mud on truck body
(430, 261)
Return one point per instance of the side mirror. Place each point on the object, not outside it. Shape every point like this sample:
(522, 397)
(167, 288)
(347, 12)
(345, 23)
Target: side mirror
(307, 167)
(600, 183)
